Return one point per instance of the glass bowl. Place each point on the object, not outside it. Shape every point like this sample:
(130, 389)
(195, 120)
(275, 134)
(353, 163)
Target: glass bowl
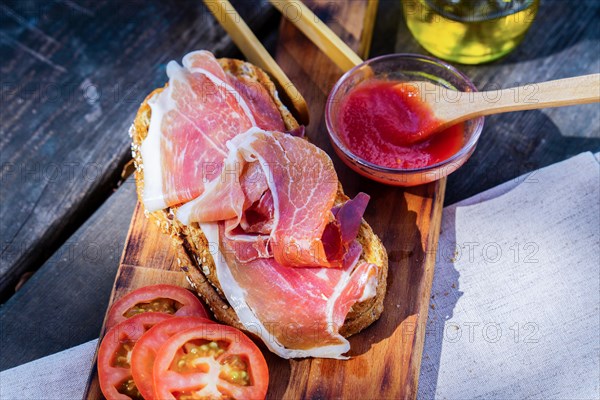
(402, 67)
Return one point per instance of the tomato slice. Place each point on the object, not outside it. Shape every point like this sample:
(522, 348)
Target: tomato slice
(144, 351)
(210, 362)
(166, 299)
(114, 354)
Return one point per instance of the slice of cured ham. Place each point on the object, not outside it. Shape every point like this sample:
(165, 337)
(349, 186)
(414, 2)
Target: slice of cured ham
(265, 111)
(342, 231)
(192, 120)
(300, 182)
(256, 96)
(305, 307)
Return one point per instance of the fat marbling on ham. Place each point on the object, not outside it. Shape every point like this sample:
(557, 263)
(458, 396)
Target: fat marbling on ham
(300, 183)
(192, 120)
(286, 255)
(297, 312)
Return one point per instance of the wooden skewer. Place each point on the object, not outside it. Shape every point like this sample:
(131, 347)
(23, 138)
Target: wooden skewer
(318, 33)
(255, 52)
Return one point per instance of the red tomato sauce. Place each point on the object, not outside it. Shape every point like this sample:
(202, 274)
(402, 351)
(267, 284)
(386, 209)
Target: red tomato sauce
(380, 121)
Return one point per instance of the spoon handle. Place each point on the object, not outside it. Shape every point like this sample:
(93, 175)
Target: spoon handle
(562, 92)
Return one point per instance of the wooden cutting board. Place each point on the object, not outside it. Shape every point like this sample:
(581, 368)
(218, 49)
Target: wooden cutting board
(386, 357)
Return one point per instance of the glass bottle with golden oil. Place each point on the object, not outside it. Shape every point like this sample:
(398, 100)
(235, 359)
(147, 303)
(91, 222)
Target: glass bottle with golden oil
(469, 31)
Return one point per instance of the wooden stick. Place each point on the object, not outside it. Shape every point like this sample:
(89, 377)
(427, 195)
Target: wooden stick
(558, 93)
(453, 107)
(318, 33)
(255, 52)
(450, 107)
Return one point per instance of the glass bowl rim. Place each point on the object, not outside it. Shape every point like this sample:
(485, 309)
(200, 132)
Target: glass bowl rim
(465, 149)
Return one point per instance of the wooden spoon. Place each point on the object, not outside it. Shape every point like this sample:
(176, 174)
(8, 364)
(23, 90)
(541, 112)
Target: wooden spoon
(449, 107)
(255, 52)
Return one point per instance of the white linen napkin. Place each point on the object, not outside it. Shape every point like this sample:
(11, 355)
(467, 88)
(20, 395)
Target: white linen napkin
(60, 376)
(515, 296)
(514, 309)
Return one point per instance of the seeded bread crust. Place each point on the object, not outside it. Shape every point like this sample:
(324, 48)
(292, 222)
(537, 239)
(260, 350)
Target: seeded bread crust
(192, 246)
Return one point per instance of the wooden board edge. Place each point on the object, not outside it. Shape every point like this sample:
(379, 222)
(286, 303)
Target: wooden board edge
(429, 265)
(93, 384)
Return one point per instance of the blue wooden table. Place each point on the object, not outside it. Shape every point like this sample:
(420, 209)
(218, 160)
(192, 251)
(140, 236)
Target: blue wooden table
(73, 76)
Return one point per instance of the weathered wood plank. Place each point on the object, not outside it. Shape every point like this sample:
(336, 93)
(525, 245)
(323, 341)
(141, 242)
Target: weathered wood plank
(73, 75)
(63, 304)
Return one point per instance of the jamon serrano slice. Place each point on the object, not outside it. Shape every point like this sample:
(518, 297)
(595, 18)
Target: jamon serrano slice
(300, 181)
(192, 120)
(256, 96)
(306, 307)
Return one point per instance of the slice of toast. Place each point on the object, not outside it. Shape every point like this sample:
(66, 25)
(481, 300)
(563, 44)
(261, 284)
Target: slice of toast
(193, 252)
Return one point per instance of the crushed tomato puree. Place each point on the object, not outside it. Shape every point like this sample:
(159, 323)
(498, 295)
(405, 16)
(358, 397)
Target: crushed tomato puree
(380, 121)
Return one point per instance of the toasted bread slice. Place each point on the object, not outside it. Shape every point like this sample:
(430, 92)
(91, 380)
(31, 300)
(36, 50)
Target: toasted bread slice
(193, 252)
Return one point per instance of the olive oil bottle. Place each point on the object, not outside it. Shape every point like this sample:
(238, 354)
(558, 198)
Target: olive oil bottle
(469, 31)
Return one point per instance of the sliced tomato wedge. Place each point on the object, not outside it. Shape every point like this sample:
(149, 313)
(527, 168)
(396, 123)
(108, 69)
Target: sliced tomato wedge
(114, 355)
(166, 299)
(144, 351)
(210, 362)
